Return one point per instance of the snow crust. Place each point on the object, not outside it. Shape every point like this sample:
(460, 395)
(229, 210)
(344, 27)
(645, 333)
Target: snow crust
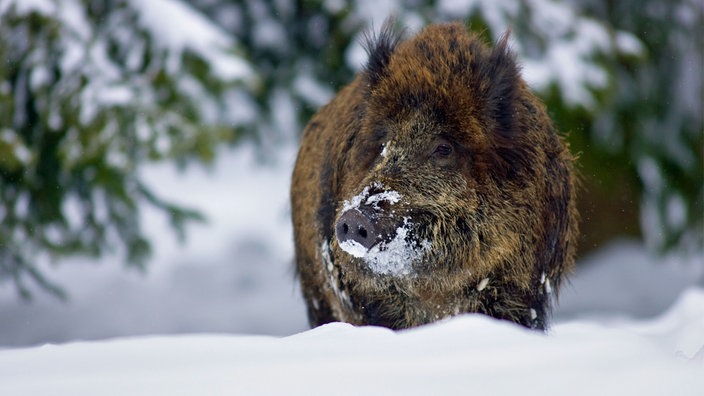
(660, 356)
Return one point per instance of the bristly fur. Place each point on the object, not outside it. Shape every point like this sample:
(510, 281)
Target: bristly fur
(502, 98)
(379, 48)
(497, 210)
(502, 70)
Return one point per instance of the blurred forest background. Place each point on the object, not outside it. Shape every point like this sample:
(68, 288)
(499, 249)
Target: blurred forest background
(92, 91)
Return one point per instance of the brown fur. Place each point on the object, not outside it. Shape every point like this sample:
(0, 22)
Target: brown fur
(499, 209)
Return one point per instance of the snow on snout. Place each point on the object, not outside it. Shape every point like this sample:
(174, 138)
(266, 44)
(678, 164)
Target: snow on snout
(395, 256)
(391, 197)
(386, 195)
(354, 248)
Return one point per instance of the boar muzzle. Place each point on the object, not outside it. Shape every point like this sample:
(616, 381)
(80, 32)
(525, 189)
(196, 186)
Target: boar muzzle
(356, 226)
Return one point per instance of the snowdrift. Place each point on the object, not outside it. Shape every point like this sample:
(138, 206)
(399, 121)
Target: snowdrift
(467, 354)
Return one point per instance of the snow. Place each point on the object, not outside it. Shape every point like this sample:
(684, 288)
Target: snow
(233, 272)
(268, 33)
(311, 90)
(354, 248)
(43, 7)
(654, 183)
(19, 150)
(334, 6)
(375, 12)
(676, 212)
(627, 43)
(168, 19)
(86, 54)
(384, 151)
(394, 257)
(354, 202)
(571, 42)
(469, 352)
(623, 279)
(391, 196)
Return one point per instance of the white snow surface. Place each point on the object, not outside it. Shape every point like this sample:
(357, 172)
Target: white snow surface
(663, 356)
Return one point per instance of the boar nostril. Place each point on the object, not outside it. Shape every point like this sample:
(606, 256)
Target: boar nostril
(356, 226)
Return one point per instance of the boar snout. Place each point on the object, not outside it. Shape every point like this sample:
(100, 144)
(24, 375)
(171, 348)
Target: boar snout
(355, 226)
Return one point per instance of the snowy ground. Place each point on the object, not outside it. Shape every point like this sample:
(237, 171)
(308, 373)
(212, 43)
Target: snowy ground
(235, 277)
(468, 354)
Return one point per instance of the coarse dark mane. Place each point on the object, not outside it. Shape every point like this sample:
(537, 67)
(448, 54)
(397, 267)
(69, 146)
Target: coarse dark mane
(379, 47)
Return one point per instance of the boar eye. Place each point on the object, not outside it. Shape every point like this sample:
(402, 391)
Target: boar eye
(443, 150)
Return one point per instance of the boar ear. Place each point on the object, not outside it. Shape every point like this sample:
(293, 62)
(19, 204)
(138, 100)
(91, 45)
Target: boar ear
(379, 47)
(503, 94)
(503, 91)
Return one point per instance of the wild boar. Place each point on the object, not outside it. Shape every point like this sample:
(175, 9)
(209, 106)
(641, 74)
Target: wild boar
(434, 184)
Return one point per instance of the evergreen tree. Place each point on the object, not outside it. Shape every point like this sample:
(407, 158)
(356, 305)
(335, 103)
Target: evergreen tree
(651, 123)
(90, 91)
